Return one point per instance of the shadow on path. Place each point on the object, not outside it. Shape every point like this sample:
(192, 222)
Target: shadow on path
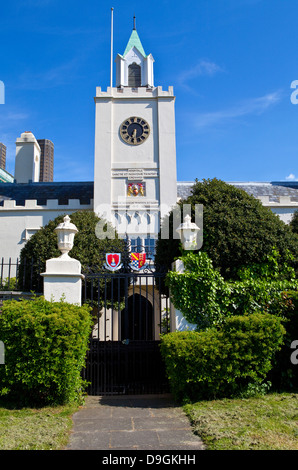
(142, 422)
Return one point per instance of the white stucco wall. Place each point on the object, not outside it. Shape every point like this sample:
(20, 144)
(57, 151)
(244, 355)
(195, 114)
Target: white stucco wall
(284, 208)
(156, 156)
(18, 223)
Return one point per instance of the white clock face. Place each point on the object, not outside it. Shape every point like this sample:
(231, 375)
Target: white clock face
(134, 130)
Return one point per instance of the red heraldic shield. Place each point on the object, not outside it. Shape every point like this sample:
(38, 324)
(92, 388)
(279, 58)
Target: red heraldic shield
(113, 261)
(138, 261)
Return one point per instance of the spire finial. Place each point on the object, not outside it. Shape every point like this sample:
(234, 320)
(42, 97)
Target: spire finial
(134, 22)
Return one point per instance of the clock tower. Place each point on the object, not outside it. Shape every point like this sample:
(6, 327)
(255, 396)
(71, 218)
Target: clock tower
(135, 181)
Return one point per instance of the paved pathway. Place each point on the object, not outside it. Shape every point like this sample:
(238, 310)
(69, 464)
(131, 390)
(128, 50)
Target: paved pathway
(143, 422)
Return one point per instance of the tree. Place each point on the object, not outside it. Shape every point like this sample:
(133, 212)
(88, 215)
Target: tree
(294, 223)
(238, 230)
(88, 248)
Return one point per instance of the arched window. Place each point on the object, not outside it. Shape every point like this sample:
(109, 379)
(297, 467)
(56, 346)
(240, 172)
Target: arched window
(118, 219)
(134, 75)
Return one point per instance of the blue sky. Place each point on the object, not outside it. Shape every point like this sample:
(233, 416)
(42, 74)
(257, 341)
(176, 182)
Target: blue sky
(231, 63)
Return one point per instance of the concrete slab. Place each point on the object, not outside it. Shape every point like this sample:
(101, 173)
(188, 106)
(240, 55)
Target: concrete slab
(143, 422)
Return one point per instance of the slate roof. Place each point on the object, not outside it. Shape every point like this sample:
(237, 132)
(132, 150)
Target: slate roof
(184, 189)
(45, 191)
(84, 191)
(273, 189)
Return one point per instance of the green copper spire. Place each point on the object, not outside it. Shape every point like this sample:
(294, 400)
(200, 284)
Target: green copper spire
(134, 41)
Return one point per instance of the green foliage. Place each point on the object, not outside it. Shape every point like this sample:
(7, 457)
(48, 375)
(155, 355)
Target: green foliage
(88, 249)
(294, 223)
(284, 375)
(206, 299)
(223, 362)
(8, 284)
(45, 349)
(237, 230)
(272, 268)
(199, 292)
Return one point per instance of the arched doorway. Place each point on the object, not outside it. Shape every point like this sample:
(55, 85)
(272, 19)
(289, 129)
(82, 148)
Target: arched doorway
(137, 319)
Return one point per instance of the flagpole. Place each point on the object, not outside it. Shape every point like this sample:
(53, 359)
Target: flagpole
(111, 82)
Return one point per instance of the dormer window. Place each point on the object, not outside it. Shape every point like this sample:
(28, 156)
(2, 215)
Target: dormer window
(134, 75)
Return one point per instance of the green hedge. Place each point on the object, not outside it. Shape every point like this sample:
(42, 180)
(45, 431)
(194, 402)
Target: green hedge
(45, 349)
(222, 362)
(284, 375)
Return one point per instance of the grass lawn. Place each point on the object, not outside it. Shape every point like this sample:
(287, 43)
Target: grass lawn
(35, 429)
(269, 422)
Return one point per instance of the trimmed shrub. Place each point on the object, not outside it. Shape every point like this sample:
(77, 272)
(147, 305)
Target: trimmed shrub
(284, 375)
(45, 349)
(223, 362)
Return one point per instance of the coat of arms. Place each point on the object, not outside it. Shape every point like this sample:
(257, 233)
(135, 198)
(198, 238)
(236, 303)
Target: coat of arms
(113, 261)
(136, 189)
(138, 261)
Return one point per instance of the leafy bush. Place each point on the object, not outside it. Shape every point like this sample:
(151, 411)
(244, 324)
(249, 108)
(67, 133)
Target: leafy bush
(237, 230)
(294, 222)
(200, 292)
(45, 349)
(206, 299)
(284, 375)
(9, 283)
(222, 362)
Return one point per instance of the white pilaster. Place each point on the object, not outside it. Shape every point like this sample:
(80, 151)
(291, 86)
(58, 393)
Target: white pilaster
(177, 320)
(63, 281)
(63, 278)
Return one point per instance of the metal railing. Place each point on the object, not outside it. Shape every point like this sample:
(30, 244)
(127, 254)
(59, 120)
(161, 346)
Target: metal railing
(21, 276)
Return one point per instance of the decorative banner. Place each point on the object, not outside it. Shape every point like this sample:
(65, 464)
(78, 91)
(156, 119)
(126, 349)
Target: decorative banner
(113, 261)
(136, 189)
(138, 261)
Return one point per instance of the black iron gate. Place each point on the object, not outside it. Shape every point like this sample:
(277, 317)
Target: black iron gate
(130, 311)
